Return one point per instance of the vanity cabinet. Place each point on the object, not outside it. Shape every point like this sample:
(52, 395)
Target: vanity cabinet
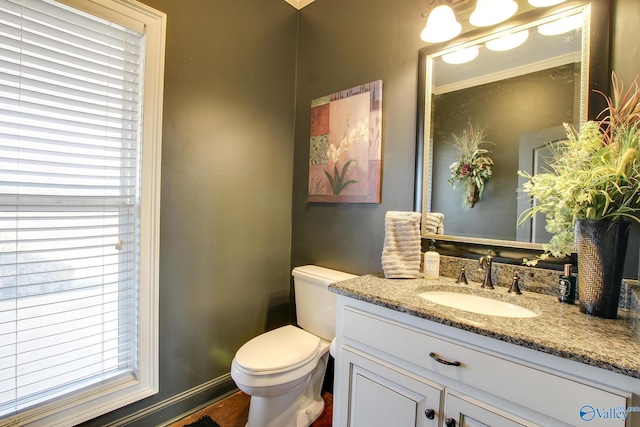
(381, 395)
(395, 369)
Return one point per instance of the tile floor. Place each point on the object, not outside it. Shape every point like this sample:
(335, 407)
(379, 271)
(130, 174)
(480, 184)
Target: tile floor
(233, 411)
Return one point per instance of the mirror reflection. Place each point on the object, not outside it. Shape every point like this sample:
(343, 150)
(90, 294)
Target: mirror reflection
(520, 95)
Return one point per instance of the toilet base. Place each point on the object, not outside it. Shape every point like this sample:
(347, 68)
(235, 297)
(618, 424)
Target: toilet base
(311, 413)
(299, 407)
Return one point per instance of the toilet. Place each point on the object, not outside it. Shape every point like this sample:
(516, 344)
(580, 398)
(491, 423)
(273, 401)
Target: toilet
(283, 369)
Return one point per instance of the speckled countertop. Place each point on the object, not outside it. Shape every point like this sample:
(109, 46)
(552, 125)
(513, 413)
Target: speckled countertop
(559, 329)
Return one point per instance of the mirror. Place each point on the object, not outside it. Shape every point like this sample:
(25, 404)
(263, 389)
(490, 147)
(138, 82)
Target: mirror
(520, 97)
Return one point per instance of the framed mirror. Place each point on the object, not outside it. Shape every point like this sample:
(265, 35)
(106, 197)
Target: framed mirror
(520, 97)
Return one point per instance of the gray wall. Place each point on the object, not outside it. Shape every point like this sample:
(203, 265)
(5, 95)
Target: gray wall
(625, 50)
(227, 163)
(343, 44)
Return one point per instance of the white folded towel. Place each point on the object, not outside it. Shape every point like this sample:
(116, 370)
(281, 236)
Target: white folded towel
(401, 251)
(433, 222)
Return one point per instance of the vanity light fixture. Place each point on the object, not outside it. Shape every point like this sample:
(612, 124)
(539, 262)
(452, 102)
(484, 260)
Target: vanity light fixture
(561, 26)
(490, 12)
(508, 42)
(545, 3)
(441, 25)
(461, 56)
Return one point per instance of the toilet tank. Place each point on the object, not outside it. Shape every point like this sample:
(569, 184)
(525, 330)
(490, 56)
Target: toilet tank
(315, 304)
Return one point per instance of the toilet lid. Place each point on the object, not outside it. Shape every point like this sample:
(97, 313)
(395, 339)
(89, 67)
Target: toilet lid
(282, 348)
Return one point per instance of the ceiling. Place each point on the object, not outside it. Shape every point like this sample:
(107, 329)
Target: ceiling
(299, 4)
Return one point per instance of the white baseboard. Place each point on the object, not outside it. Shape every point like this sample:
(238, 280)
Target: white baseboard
(136, 416)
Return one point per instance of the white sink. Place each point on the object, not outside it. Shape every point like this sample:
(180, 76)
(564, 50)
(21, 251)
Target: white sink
(477, 304)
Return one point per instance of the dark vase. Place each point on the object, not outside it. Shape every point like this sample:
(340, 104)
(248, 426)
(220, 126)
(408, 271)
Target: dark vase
(602, 247)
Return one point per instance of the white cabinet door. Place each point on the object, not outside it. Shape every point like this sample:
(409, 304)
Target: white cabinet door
(465, 412)
(382, 396)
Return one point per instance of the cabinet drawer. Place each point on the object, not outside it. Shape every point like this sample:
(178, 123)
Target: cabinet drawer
(544, 392)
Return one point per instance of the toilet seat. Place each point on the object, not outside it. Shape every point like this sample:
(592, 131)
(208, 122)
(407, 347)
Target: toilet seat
(276, 351)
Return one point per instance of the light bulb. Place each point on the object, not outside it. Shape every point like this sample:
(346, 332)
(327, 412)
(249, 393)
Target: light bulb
(441, 25)
(461, 56)
(490, 12)
(508, 42)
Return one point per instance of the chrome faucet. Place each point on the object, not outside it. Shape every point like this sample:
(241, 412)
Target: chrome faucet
(485, 263)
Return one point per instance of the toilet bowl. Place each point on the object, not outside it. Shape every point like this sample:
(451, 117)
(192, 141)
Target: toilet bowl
(284, 379)
(283, 369)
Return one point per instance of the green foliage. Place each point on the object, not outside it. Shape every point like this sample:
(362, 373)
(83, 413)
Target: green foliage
(337, 180)
(595, 174)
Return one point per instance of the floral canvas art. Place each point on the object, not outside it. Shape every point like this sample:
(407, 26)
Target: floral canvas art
(345, 152)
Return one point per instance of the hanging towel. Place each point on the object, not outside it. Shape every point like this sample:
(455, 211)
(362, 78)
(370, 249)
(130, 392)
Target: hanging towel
(401, 251)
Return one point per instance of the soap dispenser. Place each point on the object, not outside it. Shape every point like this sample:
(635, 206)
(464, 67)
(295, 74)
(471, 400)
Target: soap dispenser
(567, 288)
(432, 263)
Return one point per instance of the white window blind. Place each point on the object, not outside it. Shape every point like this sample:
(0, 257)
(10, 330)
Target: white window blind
(70, 112)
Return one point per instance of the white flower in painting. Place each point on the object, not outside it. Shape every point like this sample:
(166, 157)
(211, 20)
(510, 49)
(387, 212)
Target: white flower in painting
(360, 131)
(351, 136)
(334, 153)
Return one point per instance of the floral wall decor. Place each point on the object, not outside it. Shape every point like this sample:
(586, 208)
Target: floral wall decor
(345, 155)
(472, 167)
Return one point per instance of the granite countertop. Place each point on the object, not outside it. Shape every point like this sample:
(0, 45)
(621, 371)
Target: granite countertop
(559, 329)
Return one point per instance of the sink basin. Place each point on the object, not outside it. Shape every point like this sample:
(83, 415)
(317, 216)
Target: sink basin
(477, 304)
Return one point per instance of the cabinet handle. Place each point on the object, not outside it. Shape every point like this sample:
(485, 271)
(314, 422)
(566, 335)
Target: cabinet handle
(430, 413)
(444, 362)
(450, 422)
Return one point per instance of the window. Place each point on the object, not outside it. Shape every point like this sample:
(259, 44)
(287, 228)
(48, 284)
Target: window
(80, 125)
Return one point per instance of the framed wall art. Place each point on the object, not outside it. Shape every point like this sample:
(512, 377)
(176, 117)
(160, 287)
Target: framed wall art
(345, 158)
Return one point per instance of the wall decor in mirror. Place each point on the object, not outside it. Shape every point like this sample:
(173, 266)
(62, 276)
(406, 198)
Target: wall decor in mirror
(526, 78)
